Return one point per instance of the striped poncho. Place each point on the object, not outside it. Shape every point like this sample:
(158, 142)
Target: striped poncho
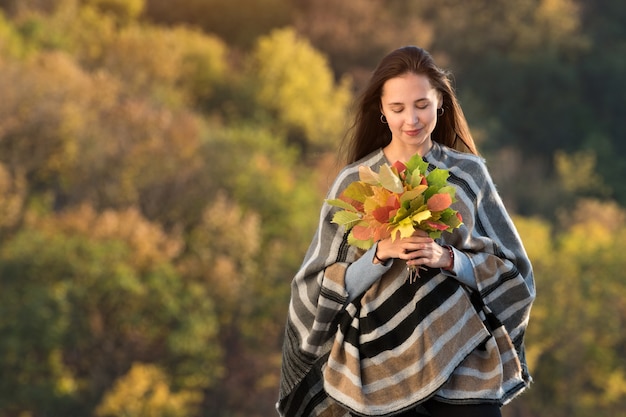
(401, 343)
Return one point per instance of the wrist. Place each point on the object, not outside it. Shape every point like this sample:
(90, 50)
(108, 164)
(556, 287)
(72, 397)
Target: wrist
(450, 265)
(378, 259)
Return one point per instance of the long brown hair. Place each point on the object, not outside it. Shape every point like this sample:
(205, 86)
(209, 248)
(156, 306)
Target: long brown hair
(368, 133)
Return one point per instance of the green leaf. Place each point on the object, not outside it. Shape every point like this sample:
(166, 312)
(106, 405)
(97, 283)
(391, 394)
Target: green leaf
(449, 189)
(416, 165)
(412, 194)
(414, 179)
(337, 202)
(346, 219)
(438, 177)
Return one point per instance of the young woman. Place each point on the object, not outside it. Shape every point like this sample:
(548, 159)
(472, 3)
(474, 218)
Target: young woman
(363, 340)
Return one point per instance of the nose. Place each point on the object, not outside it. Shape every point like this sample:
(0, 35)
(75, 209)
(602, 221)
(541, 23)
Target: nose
(412, 118)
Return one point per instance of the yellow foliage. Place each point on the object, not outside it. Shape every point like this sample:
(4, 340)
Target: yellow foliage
(52, 101)
(536, 235)
(592, 226)
(615, 387)
(227, 243)
(577, 172)
(123, 9)
(65, 381)
(160, 61)
(149, 243)
(296, 82)
(144, 392)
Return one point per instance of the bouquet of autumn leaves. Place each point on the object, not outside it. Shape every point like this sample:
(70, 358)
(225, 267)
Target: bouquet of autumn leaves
(396, 202)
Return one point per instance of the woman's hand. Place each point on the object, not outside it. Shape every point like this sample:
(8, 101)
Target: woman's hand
(417, 250)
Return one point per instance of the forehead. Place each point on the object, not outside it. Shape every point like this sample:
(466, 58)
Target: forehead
(408, 88)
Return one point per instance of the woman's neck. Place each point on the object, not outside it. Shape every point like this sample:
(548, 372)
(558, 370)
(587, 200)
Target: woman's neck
(394, 152)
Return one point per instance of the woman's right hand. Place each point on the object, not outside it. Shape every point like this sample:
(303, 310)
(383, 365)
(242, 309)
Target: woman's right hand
(416, 250)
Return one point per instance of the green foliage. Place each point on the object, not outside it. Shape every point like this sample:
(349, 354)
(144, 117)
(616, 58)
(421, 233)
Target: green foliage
(11, 44)
(265, 176)
(82, 309)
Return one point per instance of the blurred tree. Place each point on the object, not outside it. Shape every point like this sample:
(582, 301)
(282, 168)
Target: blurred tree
(12, 199)
(144, 392)
(124, 10)
(86, 295)
(603, 84)
(577, 173)
(263, 217)
(11, 43)
(238, 22)
(575, 346)
(356, 35)
(174, 66)
(525, 92)
(296, 85)
(40, 115)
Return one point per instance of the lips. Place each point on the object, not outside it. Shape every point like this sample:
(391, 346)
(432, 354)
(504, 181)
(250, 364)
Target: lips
(412, 132)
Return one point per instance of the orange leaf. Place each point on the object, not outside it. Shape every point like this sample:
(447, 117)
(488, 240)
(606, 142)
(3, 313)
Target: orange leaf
(361, 232)
(439, 202)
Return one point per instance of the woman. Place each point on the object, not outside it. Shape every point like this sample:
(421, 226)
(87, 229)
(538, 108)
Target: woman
(363, 340)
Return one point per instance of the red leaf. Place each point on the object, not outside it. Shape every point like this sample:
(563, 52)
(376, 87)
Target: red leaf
(381, 214)
(399, 166)
(437, 225)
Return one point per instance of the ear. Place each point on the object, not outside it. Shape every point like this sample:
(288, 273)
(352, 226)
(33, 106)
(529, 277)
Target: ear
(439, 99)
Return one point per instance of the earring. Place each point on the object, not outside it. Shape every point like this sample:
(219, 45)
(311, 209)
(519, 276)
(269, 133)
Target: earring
(440, 114)
(383, 119)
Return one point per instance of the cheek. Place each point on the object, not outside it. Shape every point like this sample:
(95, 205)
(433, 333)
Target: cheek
(432, 117)
(395, 122)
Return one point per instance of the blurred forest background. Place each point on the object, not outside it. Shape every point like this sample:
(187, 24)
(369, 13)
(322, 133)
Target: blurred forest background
(162, 166)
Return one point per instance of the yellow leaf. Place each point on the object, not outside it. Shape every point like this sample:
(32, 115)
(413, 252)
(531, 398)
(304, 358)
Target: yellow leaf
(368, 176)
(390, 180)
(421, 216)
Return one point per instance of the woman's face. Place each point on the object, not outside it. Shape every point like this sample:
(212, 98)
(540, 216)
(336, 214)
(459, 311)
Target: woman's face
(410, 105)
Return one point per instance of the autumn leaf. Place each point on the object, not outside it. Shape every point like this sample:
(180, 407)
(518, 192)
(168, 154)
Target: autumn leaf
(390, 180)
(338, 202)
(439, 202)
(346, 219)
(368, 176)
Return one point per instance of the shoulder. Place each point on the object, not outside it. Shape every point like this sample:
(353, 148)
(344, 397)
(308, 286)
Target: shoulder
(460, 164)
(350, 172)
